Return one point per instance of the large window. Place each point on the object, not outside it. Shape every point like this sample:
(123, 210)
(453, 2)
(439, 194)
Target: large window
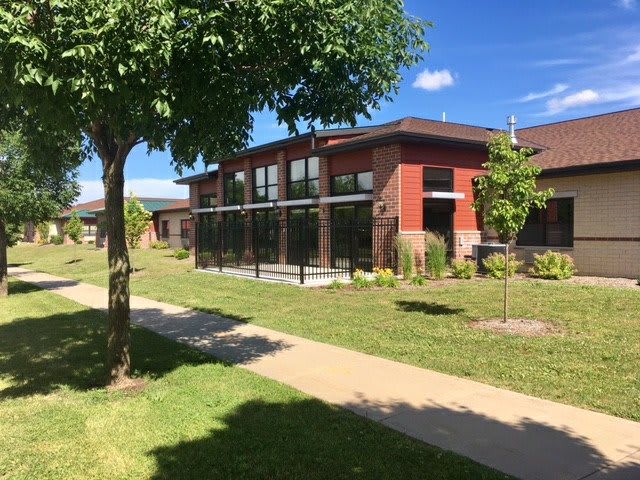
(265, 184)
(437, 180)
(352, 183)
(185, 226)
(303, 178)
(234, 188)
(88, 230)
(551, 227)
(165, 229)
(208, 200)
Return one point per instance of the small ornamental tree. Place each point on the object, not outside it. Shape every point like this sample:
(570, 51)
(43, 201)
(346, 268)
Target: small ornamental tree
(74, 228)
(30, 189)
(43, 229)
(136, 221)
(188, 77)
(507, 193)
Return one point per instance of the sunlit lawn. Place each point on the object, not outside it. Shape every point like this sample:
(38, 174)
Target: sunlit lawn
(594, 364)
(196, 419)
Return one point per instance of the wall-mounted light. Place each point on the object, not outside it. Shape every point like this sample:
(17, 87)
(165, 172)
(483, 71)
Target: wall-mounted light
(381, 206)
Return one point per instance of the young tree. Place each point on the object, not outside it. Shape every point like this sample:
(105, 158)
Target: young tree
(30, 190)
(74, 228)
(43, 229)
(507, 193)
(188, 76)
(136, 221)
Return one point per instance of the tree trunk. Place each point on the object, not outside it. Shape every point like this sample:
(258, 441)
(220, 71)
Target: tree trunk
(506, 281)
(113, 154)
(4, 280)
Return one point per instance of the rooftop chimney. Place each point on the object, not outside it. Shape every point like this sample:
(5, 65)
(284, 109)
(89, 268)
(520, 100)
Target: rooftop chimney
(511, 121)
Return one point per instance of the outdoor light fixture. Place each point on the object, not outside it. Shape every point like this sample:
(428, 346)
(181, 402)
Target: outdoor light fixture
(382, 207)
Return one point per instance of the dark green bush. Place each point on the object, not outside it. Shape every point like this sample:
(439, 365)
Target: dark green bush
(181, 254)
(419, 281)
(465, 269)
(57, 239)
(495, 265)
(553, 266)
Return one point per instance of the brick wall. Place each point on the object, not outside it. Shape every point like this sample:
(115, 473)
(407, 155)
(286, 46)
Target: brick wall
(606, 223)
(281, 158)
(386, 180)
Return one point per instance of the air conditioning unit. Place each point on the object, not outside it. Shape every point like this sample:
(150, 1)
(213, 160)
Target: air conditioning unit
(481, 251)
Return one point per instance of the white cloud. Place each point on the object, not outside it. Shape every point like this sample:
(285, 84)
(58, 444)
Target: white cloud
(579, 99)
(627, 4)
(142, 187)
(434, 80)
(556, 62)
(557, 88)
(634, 57)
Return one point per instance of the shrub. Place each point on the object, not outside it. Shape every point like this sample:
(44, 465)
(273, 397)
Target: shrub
(181, 254)
(405, 256)
(463, 269)
(43, 232)
(418, 281)
(495, 265)
(91, 242)
(160, 245)
(360, 280)
(336, 284)
(57, 239)
(436, 252)
(553, 266)
(385, 278)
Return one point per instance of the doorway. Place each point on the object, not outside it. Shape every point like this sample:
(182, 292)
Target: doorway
(438, 217)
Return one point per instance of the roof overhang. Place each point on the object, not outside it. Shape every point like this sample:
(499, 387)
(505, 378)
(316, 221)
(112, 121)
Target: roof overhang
(594, 169)
(195, 178)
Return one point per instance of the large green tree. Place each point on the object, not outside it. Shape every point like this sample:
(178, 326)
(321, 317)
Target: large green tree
(188, 76)
(507, 193)
(31, 189)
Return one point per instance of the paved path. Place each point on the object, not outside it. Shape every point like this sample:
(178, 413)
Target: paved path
(517, 434)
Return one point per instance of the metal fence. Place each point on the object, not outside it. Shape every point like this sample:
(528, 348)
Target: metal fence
(296, 250)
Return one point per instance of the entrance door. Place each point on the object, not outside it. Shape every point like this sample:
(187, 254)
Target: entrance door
(352, 237)
(438, 217)
(303, 236)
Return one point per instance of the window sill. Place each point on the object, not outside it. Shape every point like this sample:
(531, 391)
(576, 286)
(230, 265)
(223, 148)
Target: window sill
(299, 202)
(358, 197)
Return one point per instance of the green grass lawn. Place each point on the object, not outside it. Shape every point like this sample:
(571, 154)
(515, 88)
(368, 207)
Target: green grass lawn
(197, 418)
(594, 364)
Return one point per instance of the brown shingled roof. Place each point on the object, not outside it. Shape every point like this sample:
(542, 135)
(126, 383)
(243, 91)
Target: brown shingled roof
(179, 205)
(602, 139)
(428, 129)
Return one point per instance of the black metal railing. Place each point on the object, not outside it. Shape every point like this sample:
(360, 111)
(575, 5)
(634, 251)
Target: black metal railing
(296, 250)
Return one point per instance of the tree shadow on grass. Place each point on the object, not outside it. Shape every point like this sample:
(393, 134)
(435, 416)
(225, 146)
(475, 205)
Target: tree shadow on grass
(39, 355)
(18, 264)
(308, 439)
(428, 308)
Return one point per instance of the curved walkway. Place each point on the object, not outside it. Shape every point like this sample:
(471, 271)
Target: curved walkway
(520, 435)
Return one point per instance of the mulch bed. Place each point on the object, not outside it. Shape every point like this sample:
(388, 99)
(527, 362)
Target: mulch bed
(517, 326)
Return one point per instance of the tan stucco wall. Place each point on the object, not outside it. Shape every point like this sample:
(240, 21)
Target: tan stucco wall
(174, 228)
(607, 206)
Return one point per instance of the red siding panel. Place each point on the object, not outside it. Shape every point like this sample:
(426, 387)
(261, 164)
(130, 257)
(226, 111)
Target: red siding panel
(411, 197)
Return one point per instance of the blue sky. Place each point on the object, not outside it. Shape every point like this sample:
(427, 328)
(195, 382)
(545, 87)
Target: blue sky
(542, 60)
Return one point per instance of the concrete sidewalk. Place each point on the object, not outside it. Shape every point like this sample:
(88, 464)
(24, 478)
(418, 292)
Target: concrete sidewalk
(524, 436)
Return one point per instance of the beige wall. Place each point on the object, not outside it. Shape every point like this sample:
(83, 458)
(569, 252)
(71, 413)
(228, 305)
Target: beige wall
(174, 228)
(606, 222)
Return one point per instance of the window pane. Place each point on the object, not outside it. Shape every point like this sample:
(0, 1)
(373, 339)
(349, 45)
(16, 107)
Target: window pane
(365, 214)
(314, 188)
(296, 170)
(260, 194)
(344, 214)
(239, 177)
(344, 184)
(365, 182)
(260, 177)
(272, 174)
(438, 180)
(297, 190)
(273, 192)
(313, 165)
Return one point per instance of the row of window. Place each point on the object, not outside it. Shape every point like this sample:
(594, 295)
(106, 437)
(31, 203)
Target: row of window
(185, 226)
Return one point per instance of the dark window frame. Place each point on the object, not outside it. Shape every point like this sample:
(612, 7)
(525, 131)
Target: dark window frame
(268, 183)
(425, 170)
(184, 232)
(164, 229)
(356, 190)
(235, 191)
(208, 200)
(543, 225)
(306, 181)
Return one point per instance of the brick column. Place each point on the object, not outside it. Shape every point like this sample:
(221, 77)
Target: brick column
(219, 189)
(194, 202)
(281, 158)
(249, 254)
(324, 230)
(386, 198)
